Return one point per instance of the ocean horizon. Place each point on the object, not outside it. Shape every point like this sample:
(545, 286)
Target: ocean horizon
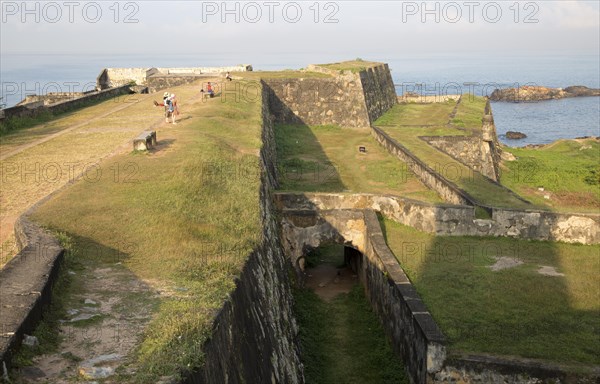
(543, 122)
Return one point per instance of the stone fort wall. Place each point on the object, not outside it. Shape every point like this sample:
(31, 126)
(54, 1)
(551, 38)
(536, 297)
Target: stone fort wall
(457, 220)
(478, 151)
(115, 77)
(346, 99)
(39, 107)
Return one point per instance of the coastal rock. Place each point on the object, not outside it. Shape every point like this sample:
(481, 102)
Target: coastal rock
(579, 90)
(537, 93)
(507, 156)
(515, 135)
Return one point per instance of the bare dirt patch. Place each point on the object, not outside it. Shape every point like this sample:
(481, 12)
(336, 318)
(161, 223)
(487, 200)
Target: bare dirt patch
(328, 281)
(549, 271)
(505, 262)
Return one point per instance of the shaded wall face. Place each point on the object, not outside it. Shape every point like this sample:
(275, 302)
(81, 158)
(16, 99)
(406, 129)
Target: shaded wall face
(379, 91)
(472, 151)
(317, 102)
(347, 100)
(254, 338)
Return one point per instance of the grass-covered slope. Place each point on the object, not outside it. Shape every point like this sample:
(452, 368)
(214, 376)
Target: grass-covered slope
(185, 217)
(564, 175)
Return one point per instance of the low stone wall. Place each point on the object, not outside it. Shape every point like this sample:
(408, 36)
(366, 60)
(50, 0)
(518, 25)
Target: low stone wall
(52, 97)
(26, 285)
(161, 81)
(456, 220)
(446, 189)
(484, 369)
(404, 316)
(211, 70)
(64, 106)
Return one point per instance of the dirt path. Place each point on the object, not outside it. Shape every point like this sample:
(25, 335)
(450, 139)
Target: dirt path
(34, 170)
(24, 147)
(328, 281)
(106, 306)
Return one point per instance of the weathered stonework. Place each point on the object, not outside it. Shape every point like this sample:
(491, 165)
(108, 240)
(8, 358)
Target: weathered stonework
(162, 81)
(310, 101)
(446, 189)
(347, 99)
(254, 337)
(52, 97)
(478, 149)
(36, 108)
(115, 77)
(456, 220)
(378, 89)
(485, 369)
(311, 220)
(26, 285)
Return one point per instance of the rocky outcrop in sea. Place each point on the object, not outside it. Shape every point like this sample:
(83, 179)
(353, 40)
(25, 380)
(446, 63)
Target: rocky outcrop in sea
(538, 93)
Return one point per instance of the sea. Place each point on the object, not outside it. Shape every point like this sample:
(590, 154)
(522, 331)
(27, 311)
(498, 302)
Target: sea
(431, 74)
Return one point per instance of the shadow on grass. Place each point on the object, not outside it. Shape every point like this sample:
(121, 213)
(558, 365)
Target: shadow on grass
(161, 145)
(489, 295)
(302, 162)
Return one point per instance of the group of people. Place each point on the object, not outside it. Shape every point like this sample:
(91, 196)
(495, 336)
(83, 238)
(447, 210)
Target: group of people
(170, 105)
(170, 102)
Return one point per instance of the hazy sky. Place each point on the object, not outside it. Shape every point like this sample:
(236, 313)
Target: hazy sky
(346, 28)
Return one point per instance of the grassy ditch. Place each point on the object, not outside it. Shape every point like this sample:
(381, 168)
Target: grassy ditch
(342, 340)
(327, 159)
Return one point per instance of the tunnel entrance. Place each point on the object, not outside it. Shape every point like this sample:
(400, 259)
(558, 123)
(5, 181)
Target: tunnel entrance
(341, 338)
(327, 272)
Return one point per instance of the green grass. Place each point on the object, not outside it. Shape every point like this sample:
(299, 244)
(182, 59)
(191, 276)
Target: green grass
(567, 170)
(13, 125)
(287, 74)
(187, 216)
(399, 124)
(327, 159)
(469, 112)
(514, 311)
(353, 66)
(343, 342)
(433, 114)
